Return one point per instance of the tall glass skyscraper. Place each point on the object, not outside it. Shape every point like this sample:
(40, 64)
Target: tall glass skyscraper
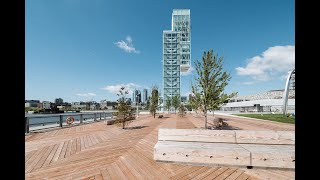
(176, 52)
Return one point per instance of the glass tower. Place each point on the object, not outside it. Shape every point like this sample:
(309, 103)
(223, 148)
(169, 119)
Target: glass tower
(176, 52)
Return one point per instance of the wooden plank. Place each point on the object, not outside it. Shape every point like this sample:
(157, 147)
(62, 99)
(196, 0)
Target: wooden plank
(78, 146)
(205, 173)
(73, 146)
(50, 157)
(64, 149)
(185, 172)
(151, 170)
(43, 158)
(215, 173)
(265, 137)
(57, 153)
(151, 162)
(82, 144)
(195, 173)
(133, 169)
(68, 151)
(98, 177)
(28, 155)
(145, 172)
(243, 176)
(235, 174)
(225, 174)
(202, 153)
(37, 158)
(199, 135)
(115, 172)
(280, 156)
(125, 170)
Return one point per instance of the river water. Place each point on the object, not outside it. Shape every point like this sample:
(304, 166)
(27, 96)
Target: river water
(37, 119)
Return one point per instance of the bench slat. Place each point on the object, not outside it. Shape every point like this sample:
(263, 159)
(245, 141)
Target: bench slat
(199, 135)
(199, 152)
(265, 137)
(281, 156)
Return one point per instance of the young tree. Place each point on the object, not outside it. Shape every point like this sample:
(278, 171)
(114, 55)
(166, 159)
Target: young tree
(182, 110)
(125, 112)
(154, 100)
(175, 102)
(195, 100)
(168, 103)
(211, 80)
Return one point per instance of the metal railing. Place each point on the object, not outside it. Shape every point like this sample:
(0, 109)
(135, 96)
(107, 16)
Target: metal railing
(61, 118)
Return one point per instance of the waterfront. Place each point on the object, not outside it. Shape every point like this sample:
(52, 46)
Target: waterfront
(51, 119)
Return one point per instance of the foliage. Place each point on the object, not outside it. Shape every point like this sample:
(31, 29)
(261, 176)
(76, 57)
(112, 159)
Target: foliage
(195, 99)
(175, 102)
(188, 106)
(154, 100)
(125, 113)
(219, 123)
(34, 109)
(271, 117)
(182, 110)
(168, 103)
(211, 80)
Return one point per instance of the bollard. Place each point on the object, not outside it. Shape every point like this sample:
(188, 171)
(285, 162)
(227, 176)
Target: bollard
(100, 116)
(95, 116)
(81, 118)
(27, 124)
(104, 115)
(61, 120)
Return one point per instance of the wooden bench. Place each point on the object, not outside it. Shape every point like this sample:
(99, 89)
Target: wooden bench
(250, 148)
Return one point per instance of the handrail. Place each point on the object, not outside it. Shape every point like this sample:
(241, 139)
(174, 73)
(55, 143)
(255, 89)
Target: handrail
(60, 115)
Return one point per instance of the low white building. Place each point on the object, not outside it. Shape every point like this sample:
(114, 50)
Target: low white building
(262, 105)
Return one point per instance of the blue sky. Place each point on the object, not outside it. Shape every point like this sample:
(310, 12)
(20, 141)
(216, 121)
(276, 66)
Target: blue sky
(83, 50)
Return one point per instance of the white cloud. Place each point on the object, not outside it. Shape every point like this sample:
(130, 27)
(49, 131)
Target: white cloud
(190, 70)
(249, 82)
(127, 45)
(270, 63)
(86, 94)
(115, 88)
(129, 39)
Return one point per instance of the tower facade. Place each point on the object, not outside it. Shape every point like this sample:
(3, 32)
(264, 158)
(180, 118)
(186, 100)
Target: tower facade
(145, 95)
(176, 52)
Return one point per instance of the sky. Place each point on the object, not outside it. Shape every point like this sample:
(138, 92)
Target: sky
(81, 50)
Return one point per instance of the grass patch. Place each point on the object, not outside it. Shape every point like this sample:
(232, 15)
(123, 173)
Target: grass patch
(271, 117)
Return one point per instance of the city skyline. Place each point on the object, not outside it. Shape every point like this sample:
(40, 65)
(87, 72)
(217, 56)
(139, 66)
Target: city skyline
(86, 50)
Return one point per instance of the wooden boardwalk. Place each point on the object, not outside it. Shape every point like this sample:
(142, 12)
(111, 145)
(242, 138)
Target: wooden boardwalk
(100, 151)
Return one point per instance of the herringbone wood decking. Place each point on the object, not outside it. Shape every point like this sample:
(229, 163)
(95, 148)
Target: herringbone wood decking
(100, 151)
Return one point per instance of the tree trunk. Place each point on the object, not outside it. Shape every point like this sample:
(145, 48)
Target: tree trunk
(205, 118)
(213, 116)
(154, 115)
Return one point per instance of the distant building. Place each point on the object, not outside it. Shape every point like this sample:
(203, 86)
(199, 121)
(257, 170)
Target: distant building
(46, 105)
(31, 103)
(103, 104)
(79, 105)
(184, 99)
(40, 105)
(133, 97)
(176, 52)
(111, 105)
(93, 105)
(145, 96)
(58, 101)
